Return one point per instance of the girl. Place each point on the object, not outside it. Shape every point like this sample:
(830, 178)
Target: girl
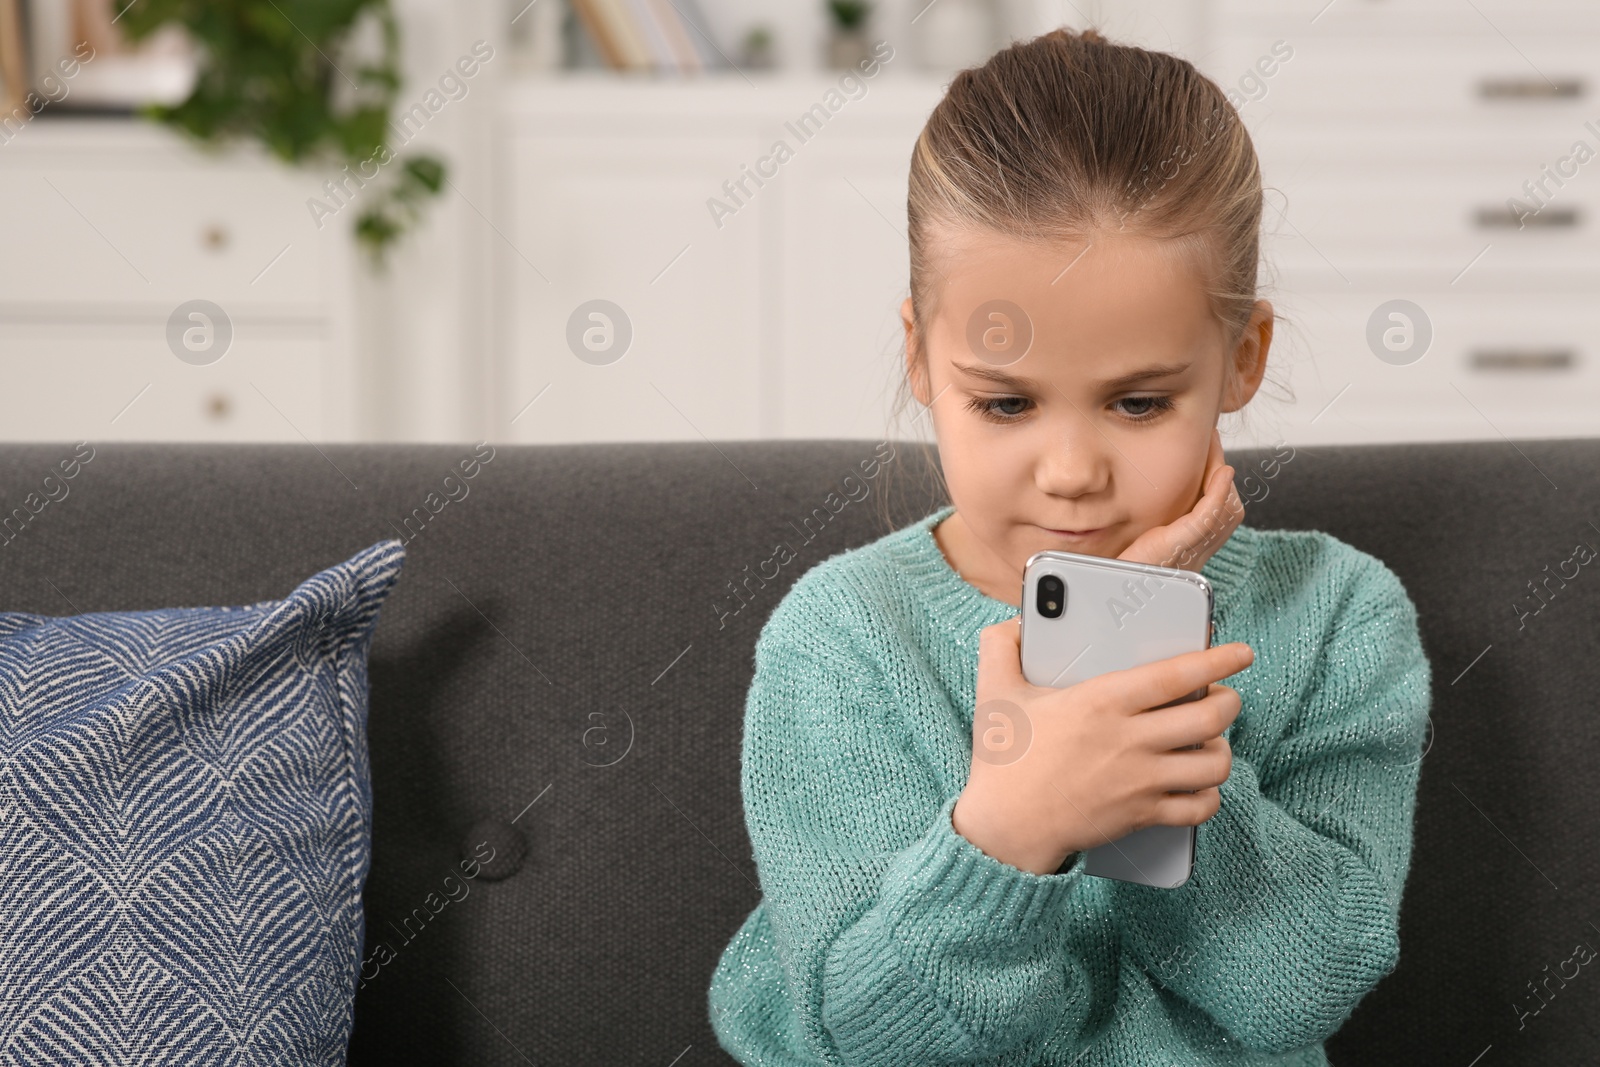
(1084, 223)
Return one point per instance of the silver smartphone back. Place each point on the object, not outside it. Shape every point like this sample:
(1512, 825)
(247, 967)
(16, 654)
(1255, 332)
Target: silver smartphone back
(1109, 615)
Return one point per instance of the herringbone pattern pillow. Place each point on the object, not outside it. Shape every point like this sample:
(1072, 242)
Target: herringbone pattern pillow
(185, 827)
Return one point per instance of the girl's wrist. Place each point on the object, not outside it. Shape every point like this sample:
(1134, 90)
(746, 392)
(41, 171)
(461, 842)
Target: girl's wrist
(998, 837)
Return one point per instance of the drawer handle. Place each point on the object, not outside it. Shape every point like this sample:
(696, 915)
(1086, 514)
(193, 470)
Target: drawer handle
(1564, 218)
(215, 237)
(219, 407)
(1531, 88)
(1523, 359)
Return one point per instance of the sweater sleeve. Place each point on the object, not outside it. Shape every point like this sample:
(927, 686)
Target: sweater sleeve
(900, 941)
(1292, 913)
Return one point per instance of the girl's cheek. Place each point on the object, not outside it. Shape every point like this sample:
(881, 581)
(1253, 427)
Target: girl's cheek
(1170, 464)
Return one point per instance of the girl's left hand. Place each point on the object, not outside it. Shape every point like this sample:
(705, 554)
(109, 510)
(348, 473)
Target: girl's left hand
(1191, 540)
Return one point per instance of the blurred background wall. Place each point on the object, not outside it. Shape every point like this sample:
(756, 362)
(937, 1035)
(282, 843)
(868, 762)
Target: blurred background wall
(599, 261)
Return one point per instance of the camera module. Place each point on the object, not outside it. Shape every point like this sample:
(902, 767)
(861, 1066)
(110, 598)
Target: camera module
(1051, 598)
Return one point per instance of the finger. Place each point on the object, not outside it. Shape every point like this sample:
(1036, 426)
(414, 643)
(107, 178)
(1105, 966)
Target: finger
(1214, 461)
(1190, 723)
(1185, 809)
(1000, 653)
(1137, 689)
(1211, 521)
(1220, 475)
(1213, 518)
(1192, 770)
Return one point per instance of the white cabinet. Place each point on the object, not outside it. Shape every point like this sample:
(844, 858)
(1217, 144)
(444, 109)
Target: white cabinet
(1425, 150)
(774, 315)
(843, 269)
(119, 381)
(1426, 212)
(1521, 365)
(111, 227)
(623, 219)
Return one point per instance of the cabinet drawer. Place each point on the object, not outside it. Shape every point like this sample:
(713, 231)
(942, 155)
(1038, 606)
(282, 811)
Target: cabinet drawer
(1434, 222)
(77, 236)
(1522, 366)
(1501, 87)
(116, 383)
(1524, 351)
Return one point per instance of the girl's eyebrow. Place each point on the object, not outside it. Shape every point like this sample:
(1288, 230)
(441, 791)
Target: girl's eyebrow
(1000, 377)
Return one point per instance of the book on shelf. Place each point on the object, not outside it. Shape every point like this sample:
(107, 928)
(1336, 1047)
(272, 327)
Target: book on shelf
(679, 38)
(658, 36)
(69, 55)
(13, 60)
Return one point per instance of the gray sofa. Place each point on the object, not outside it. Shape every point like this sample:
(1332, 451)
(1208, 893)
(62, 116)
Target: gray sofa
(561, 672)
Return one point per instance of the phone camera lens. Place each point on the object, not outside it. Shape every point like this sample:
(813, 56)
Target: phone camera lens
(1051, 598)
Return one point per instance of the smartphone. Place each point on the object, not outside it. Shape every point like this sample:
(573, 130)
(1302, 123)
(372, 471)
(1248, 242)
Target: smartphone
(1086, 615)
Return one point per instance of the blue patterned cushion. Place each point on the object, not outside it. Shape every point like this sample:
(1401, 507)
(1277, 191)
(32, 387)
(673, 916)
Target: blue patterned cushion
(185, 827)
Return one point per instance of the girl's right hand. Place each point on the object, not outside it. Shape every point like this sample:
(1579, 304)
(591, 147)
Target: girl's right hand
(1060, 770)
(1190, 540)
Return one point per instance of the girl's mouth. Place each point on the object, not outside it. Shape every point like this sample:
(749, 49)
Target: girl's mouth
(1073, 534)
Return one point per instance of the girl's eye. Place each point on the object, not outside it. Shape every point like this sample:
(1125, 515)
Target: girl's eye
(993, 409)
(1158, 405)
(989, 408)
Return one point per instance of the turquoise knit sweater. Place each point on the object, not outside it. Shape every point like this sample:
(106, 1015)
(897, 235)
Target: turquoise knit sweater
(885, 937)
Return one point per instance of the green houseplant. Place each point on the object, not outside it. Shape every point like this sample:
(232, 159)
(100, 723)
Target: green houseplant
(291, 75)
(847, 41)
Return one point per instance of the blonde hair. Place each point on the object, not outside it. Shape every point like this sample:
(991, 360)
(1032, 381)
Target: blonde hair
(1068, 135)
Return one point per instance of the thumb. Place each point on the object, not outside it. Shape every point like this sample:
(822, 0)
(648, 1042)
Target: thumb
(999, 657)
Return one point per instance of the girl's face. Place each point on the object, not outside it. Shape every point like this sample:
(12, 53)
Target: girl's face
(1103, 424)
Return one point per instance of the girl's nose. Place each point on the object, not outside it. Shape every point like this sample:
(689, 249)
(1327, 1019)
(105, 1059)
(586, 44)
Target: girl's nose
(1073, 464)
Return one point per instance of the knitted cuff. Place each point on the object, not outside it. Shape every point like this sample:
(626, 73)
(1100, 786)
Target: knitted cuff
(944, 878)
(945, 902)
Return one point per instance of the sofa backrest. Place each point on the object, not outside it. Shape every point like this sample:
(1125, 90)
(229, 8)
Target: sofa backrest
(561, 671)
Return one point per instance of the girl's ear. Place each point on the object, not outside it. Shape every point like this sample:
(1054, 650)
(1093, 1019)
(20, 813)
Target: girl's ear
(1250, 357)
(914, 361)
